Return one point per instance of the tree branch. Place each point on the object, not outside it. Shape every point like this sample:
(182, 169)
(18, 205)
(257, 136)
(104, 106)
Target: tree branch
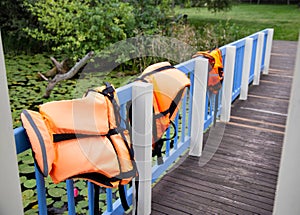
(57, 64)
(68, 75)
(43, 77)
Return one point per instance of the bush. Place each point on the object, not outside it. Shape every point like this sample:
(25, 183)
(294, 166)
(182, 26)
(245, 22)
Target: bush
(73, 28)
(212, 5)
(13, 17)
(151, 15)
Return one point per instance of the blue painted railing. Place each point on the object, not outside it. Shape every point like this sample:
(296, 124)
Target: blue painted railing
(182, 122)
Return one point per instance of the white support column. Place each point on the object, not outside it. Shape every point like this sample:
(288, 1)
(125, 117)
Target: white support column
(258, 58)
(198, 106)
(11, 198)
(142, 96)
(246, 68)
(268, 51)
(228, 83)
(288, 185)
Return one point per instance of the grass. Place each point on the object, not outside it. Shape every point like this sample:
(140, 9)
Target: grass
(285, 19)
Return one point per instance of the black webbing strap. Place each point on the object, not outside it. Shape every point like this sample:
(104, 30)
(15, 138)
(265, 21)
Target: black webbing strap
(96, 200)
(123, 197)
(157, 151)
(71, 136)
(109, 93)
(136, 194)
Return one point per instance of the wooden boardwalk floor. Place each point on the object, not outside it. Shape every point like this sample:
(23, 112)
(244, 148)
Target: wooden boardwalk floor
(241, 176)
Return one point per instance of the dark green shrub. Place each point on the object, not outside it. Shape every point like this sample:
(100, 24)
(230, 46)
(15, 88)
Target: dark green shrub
(73, 28)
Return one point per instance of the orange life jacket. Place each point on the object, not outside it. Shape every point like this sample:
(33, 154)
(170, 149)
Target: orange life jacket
(215, 74)
(169, 86)
(82, 138)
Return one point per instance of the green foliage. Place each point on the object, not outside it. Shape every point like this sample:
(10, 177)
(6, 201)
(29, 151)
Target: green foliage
(218, 5)
(218, 34)
(151, 15)
(211, 5)
(13, 17)
(74, 28)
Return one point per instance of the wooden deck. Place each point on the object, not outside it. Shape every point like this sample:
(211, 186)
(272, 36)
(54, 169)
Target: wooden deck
(241, 177)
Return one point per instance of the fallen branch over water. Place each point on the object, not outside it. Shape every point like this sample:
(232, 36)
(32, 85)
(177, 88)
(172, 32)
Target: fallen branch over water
(73, 71)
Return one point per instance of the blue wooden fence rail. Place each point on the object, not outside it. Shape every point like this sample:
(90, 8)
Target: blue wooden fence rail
(182, 121)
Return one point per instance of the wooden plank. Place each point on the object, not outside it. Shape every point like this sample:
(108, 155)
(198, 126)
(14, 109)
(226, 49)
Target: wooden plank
(273, 82)
(229, 190)
(272, 153)
(267, 97)
(257, 121)
(165, 208)
(223, 181)
(176, 206)
(194, 198)
(252, 172)
(257, 128)
(156, 212)
(281, 75)
(236, 197)
(234, 176)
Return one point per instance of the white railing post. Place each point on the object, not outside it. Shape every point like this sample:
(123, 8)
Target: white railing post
(142, 96)
(288, 185)
(198, 106)
(246, 68)
(10, 186)
(228, 83)
(268, 51)
(258, 58)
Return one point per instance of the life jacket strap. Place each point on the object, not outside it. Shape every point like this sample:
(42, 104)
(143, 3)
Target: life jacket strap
(96, 199)
(123, 197)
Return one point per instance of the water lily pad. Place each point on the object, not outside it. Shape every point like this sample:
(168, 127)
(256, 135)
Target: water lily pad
(103, 208)
(61, 184)
(51, 185)
(117, 194)
(26, 168)
(80, 184)
(58, 204)
(26, 202)
(27, 159)
(64, 198)
(56, 192)
(48, 181)
(84, 192)
(23, 179)
(30, 183)
(33, 211)
(102, 196)
(49, 201)
(27, 193)
(83, 204)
